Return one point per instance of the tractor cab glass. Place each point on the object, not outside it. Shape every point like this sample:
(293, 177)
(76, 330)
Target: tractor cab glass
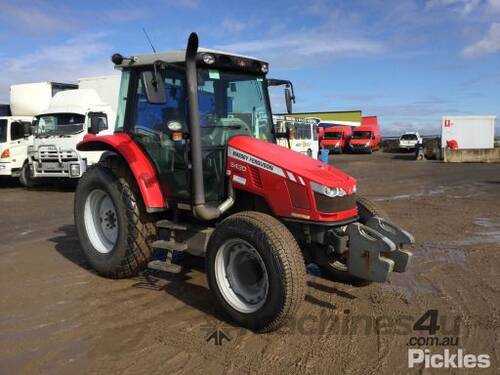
(230, 103)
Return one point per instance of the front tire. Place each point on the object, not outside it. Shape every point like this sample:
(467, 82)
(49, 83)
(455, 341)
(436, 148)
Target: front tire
(114, 230)
(25, 177)
(256, 271)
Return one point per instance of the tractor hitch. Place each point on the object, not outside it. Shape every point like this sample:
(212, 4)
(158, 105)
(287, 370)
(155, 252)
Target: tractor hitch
(375, 249)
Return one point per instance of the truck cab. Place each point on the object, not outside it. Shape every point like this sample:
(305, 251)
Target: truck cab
(15, 138)
(336, 138)
(366, 138)
(71, 115)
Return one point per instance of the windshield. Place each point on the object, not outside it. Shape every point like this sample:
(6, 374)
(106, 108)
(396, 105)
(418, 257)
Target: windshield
(409, 137)
(332, 135)
(3, 131)
(59, 124)
(361, 135)
(235, 103)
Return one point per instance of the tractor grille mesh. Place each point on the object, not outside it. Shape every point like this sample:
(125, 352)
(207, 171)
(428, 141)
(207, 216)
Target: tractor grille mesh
(257, 181)
(333, 205)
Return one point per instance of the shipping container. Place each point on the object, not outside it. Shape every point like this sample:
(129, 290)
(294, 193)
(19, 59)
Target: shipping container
(469, 132)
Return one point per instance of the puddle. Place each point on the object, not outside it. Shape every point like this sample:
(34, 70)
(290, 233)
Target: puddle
(426, 256)
(423, 193)
(489, 232)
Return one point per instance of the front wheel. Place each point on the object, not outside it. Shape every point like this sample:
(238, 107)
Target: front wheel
(256, 271)
(114, 230)
(25, 177)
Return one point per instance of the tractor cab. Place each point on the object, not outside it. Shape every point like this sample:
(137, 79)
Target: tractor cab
(232, 99)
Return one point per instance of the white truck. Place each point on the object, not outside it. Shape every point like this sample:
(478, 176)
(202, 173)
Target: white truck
(302, 134)
(15, 125)
(70, 116)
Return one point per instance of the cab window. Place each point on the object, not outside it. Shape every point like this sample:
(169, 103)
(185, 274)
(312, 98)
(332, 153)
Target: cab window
(16, 131)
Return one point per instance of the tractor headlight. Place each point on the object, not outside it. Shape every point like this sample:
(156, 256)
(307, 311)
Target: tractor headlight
(264, 68)
(328, 191)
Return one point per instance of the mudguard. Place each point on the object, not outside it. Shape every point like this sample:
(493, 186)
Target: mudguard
(138, 162)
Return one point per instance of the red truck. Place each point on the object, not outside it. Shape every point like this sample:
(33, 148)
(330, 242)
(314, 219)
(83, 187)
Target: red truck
(336, 138)
(366, 138)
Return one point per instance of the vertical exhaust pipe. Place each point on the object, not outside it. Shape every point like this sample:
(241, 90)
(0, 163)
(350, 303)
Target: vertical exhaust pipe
(200, 209)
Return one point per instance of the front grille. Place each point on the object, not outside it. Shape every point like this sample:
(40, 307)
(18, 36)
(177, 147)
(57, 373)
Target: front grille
(333, 205)
(54, 154)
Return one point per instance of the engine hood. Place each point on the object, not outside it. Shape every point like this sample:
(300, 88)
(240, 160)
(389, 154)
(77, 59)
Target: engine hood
(291, 161)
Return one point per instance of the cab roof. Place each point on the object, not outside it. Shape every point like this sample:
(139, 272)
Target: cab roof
(176, 56)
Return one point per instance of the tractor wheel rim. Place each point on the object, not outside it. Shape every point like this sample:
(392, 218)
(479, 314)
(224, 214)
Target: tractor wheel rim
(101, 221)
(241, 276)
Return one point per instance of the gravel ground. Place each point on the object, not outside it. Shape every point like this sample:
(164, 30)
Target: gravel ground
(57, 316)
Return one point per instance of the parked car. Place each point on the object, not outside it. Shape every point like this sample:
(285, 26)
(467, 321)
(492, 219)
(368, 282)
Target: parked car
(409, 140)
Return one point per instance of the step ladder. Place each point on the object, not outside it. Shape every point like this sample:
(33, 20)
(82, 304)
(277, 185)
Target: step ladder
(170, 246)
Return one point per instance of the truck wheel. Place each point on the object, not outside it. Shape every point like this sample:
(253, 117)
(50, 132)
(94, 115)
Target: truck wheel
(114, 230)
(25, 176)
(256, 271)
(337, 267)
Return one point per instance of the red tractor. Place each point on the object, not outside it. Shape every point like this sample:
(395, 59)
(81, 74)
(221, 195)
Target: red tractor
(193, 166)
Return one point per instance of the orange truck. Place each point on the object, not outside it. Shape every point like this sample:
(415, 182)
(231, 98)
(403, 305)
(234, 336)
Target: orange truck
(366, 138)
(336, 138)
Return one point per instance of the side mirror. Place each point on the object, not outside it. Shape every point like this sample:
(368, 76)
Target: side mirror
(98, 122)
(154, 87)
(289, 98)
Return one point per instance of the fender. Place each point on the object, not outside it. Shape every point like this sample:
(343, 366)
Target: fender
(143, 170)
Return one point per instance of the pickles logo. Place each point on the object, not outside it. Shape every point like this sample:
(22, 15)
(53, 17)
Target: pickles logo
(447, 358)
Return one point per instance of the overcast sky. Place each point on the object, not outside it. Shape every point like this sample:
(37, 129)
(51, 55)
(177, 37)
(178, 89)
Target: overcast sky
(409, 62)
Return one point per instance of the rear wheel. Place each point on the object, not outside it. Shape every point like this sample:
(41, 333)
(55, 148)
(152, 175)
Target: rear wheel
(115, 231)
(255, 270)
(337, 266)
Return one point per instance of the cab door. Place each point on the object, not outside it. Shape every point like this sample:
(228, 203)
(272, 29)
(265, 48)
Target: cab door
(162, 131)
(18, 144)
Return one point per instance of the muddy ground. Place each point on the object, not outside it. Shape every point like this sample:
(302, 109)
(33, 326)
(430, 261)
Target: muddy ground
(57, 316)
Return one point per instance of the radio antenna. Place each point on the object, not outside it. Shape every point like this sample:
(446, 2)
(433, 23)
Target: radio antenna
(149, 40)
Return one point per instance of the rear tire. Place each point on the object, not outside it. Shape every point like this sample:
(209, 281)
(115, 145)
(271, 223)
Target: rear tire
(114, 229)
(337, 268)
(268, 289)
